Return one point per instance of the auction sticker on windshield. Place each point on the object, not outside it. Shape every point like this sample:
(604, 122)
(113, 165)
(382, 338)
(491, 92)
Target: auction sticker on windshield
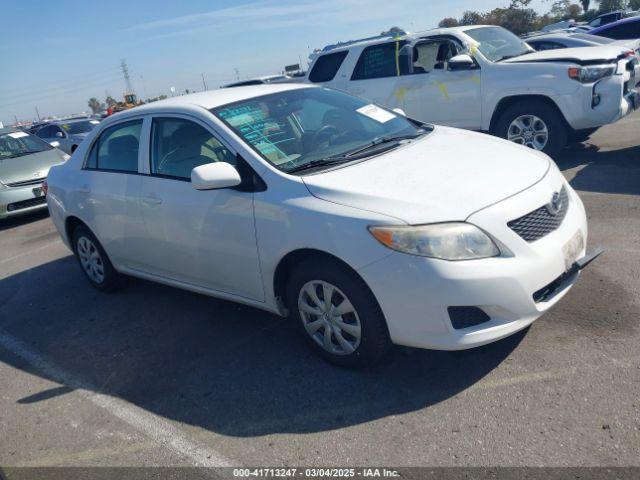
(376, 113)
(18, 134)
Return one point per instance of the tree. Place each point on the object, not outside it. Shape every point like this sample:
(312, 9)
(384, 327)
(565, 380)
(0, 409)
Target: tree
(448, 22)
(611, 5)
(95, 105)
(634, 4)
(471, 18)
(110, 101)
(585, 5)
(573, 11)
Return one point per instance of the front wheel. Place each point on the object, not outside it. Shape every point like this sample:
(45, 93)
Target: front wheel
(337, 314)
(536, 125)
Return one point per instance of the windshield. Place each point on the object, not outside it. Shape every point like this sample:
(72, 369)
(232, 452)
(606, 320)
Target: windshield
(497, 44)
(293, 128)
(17, 144)
(79, 127)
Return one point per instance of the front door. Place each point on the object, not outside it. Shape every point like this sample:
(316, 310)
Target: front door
(202, 238)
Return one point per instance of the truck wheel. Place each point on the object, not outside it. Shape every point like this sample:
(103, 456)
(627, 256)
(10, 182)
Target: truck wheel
(533, 124)
(337, 314)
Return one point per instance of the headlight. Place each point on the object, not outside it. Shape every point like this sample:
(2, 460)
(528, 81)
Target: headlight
(591, 74)
(447, 241)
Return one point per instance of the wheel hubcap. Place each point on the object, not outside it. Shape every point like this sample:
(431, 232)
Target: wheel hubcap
(90, 259)
(329, 317)
(529, 130)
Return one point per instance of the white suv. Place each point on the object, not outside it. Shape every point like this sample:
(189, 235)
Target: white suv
(368, 228)
(485, 78)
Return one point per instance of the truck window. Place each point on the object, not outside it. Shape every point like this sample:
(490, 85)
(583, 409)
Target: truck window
(624, 31)
(379, 61)
(433, 55)
(326, 67)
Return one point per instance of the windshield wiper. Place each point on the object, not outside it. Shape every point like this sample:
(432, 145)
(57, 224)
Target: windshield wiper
(507, 57)
(322, 162)
(357, 152)
(380, 141)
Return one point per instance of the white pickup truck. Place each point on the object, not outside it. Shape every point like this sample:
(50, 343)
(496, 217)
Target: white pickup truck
(485, 78)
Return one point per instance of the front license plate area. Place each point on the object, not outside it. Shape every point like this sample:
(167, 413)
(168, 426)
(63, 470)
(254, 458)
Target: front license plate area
(572, 249)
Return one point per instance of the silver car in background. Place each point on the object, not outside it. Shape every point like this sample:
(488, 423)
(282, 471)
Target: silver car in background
(67, 135)
(25, 161)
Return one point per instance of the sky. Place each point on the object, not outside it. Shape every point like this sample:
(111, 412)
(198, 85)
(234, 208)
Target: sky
(55, 55)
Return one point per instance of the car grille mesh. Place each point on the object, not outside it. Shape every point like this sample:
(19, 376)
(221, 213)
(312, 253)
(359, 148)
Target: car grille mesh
(33, 202)
(24, 183)
(539, 223)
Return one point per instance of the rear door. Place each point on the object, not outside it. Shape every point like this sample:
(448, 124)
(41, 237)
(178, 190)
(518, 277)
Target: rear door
(202, 238)
(109, 189)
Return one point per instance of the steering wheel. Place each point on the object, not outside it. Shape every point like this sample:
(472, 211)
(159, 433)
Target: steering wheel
(327, 131)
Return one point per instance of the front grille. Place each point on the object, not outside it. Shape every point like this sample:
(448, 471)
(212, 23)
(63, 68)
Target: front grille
(32, 202)
(465, 317)
(535, 225)
(25, 183)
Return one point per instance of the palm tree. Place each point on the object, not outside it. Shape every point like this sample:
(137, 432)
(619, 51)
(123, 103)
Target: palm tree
(95, 105)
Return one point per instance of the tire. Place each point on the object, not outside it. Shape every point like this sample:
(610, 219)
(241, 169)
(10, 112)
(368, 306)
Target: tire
(365, 318)
(550, 118)
(579, 136)
(94, 262)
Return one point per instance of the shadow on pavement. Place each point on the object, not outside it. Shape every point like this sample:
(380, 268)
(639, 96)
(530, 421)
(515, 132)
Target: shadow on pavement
(18, 221)
(224, 367)
(609, 171)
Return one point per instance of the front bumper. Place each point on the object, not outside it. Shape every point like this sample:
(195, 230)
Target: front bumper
(415, 293)
(615, 100)
(21, 200)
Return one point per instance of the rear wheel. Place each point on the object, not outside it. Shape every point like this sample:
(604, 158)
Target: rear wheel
(94, 261)
(337, 314)
(534, 124)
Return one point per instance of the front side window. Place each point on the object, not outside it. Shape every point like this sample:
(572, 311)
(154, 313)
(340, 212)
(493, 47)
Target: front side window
(19, 144)
(117, 148)
(541, 46)
(45, 132)
(379, 61)
(293, 128)
(178, 146)
(326, 67)
(625, 31)
(433, 55)
(497, 44)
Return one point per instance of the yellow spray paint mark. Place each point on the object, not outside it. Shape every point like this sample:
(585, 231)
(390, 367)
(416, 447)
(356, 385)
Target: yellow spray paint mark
(475, 79)
(443, 89)
(400, 94)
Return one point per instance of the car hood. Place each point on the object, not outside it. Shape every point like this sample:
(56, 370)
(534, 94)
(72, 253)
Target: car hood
(577, 55)
(444, 176)
(29, 167)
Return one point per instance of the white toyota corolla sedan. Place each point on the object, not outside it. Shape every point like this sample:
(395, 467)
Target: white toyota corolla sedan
(366, 227)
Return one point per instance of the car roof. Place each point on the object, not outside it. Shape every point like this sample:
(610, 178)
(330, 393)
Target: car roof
(615, 24)
(10, 130)
(74, 120)
(213, 98)
(409, 35)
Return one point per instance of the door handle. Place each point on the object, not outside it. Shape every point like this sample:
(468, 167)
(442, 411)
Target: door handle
(84, 189)
(152, 200)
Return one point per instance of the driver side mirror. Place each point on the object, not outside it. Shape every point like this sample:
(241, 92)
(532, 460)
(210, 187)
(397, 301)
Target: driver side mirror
(461, 62)
(211, 176)
(59, 134)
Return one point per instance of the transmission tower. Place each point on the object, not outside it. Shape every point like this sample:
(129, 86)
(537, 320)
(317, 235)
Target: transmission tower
(127, 79)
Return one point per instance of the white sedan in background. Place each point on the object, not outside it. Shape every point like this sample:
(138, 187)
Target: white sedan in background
(366, 227)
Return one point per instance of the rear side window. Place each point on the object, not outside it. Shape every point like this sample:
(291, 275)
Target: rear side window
(326, 67)
(44, 132)
(379, 61)
(117, 148)
(178, 146)
(541, 46)
(625, 31)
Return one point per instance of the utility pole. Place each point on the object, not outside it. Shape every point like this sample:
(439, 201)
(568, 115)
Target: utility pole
(38, 113)
(204, 83)
(127, 79)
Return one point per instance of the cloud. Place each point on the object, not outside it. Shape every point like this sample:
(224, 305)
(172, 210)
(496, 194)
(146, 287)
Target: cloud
(271, 14)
